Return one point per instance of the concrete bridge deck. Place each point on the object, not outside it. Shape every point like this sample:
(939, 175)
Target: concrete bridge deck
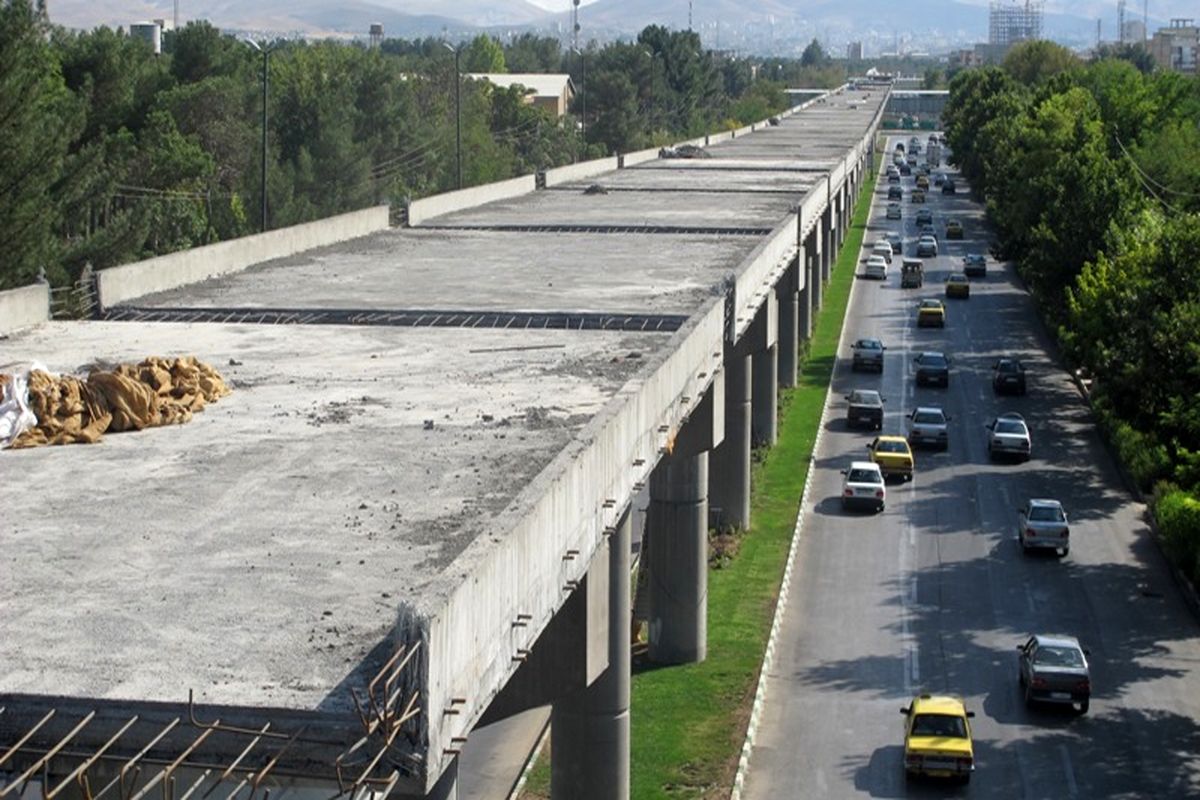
(384, 478)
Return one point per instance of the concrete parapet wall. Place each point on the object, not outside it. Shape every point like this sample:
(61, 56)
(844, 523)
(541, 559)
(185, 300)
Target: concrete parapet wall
(526, 562)
(638, 157)
(581, 171)
(421, 210)
(121, 284)
(723, 136)
(743, 131)
(24, 307)
(761, 270)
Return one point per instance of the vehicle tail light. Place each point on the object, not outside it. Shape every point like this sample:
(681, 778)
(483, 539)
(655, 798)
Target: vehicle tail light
(964, 763)
(879, 494)
(1064, 533)
(1084, 685)
(1039, 683)
(1030, 532)
(849, 493)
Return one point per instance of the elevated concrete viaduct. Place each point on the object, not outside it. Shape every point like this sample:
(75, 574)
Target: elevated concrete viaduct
(412, 517)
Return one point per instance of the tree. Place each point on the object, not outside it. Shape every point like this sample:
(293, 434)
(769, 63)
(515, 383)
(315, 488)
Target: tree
(484, 54)
(1036, 61)
(814, 55)
(39, 120)
(933, 78)
(1136, 54)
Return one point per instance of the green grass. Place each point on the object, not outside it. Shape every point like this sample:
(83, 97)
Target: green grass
(688, 722)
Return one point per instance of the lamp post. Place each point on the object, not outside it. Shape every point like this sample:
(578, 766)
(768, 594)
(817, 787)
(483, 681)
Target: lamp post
(457, 111)
(266, 54)
(582, 90)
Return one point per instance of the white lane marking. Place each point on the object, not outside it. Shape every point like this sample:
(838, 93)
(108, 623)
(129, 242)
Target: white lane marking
(1072, 788)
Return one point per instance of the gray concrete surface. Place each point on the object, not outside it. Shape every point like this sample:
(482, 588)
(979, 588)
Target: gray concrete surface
(122, 284)
(23, 307)
(223, 558)
(934, 594)
(580, 171)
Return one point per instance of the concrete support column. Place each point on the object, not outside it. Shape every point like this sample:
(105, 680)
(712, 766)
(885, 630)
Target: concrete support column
(445, 789)
(813, 248)
(729, 484)
(827, 220)
(764, 403)
(589, 729)
(789, 324)
(677, 557)
(804, 275)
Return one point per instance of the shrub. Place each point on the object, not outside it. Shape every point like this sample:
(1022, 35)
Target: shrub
(1147, 459)
(1178, 516)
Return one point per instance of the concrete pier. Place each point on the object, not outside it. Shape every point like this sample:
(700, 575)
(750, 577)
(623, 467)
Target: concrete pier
(677, 557)
(789, 324)
(812, 247)
(729, 478)
(590, 728)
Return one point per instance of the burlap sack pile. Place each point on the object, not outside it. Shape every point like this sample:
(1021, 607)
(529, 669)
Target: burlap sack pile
(158, 391)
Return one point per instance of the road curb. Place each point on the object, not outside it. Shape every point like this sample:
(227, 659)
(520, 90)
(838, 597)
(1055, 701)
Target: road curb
(760, 692)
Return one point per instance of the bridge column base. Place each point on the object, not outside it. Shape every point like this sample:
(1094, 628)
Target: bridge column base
(729, 479)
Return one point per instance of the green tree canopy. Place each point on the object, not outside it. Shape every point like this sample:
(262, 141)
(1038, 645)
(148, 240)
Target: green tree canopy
(484, 54)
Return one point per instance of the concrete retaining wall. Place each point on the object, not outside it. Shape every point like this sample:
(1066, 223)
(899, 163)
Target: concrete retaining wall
(24, 307)
(723, 136)
(421, 210)
(581, 171)
(743, 131)
(122, 284)
(638, 157)
(517, 567)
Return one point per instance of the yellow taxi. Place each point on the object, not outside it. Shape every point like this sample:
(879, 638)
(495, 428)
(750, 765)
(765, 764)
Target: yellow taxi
(923, 182)
(917, 196)
(937, 738)
(957, 285)
(954, 229)
(893, 455)
(931, 313)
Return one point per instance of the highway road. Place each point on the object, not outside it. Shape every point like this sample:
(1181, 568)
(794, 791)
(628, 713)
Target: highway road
(934, 594)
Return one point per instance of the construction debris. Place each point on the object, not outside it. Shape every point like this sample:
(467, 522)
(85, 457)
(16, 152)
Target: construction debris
(129, 397)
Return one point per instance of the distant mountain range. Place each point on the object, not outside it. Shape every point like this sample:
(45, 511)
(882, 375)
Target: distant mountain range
(940, 21)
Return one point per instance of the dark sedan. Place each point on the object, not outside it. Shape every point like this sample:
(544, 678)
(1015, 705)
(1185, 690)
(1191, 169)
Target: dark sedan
(1054, 669)
(1008, 376)
(933, 368)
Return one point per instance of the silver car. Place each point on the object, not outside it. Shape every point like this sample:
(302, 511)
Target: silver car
(1054, 669)
(1008, 435)
(927, 427)
(1043, 524)
(927, 247)
(867, 354)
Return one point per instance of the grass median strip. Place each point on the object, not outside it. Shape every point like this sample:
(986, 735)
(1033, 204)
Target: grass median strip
(688, 722)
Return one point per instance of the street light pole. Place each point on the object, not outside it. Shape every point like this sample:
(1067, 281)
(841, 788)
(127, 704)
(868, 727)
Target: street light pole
(457, 111)
(266, 54)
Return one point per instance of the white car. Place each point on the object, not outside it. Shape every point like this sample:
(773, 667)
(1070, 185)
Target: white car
(927, 247)
(927, 427)
(862, 485)
(883, 248)
(876, 267)
(1043, 524)
(893, 211)
(1008, 435)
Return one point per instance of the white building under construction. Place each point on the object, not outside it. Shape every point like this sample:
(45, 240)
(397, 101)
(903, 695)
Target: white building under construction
(1012, 22)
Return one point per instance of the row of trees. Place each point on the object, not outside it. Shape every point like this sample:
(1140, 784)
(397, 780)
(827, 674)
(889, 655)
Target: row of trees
(114, 154)
(1090, 178)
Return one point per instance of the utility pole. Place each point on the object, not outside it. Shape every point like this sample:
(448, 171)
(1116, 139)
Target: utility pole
(457, 112)
(266, 54)
(689, 15)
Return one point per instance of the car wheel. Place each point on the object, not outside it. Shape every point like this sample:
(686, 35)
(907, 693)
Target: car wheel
(879, 508)
(1083, 707)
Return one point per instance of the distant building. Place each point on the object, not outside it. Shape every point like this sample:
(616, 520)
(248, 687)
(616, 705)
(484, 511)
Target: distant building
(1176, 48)
(1012, 22)
(150, 33)
(376, 34)
(966, 58)
(1133, 32)
(550, 91)
(854, 51)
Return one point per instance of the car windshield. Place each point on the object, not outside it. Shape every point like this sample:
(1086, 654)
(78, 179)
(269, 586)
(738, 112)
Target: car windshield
(889, 446)
(933, 360)
(974, 259)
(865, 476)
(928, 418)
(869, 344)
(1010, 426)
(1057, 656)
(957, 279)
(865, 397)
(939, 725)
(931, 305)
(1007, 366)
(1046, 514)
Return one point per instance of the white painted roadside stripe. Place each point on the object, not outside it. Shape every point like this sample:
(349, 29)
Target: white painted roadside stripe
(760, 693)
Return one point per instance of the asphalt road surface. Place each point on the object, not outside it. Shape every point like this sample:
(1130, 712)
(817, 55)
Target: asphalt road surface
(934, 594)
